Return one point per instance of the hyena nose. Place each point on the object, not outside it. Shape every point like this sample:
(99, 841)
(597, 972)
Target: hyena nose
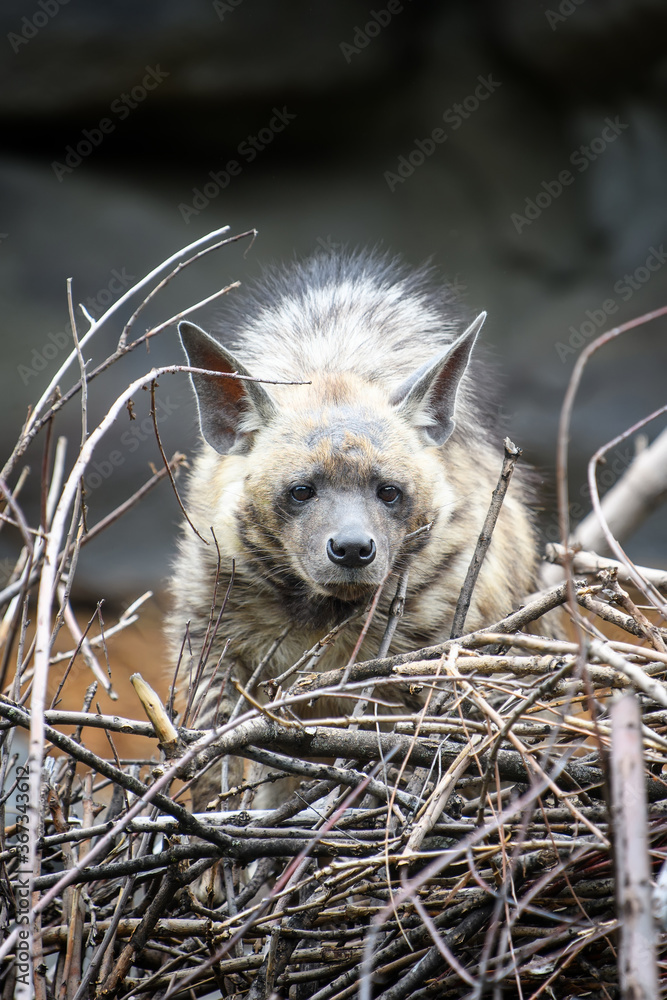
(351, 551)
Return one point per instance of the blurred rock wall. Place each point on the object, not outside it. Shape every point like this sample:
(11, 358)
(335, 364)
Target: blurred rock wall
(521, 146)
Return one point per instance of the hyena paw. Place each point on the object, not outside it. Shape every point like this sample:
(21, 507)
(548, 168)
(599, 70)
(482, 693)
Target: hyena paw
(209, 888)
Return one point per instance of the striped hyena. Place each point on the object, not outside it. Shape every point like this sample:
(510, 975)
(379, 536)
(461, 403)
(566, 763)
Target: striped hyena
(314, 491)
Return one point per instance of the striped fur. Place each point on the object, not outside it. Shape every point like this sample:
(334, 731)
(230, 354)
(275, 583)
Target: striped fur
(362, 332)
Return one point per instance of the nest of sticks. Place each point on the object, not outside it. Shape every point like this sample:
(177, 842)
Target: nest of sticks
(504, 840)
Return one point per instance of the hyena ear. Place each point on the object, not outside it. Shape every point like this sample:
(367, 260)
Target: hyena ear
(428, 398)
(229, 408)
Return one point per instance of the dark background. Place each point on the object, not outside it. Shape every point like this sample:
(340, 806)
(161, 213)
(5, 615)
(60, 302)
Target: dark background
(367, 86)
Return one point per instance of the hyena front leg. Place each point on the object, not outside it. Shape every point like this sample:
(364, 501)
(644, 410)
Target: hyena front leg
(208, 791)
(213, 704)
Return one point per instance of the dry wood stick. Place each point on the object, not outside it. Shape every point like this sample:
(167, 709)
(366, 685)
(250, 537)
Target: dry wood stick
(611, 615)
(619, 596)
(591, 562)
(637, 958)
(512, 454)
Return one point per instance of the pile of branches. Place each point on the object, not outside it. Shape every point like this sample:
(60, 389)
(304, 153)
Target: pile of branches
(483, 845)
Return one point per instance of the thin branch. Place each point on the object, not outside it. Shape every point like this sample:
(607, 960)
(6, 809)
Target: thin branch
(647, 486)
(562, 485)
(31, 424)
(511, 456)
(631, 500)
(168, 468)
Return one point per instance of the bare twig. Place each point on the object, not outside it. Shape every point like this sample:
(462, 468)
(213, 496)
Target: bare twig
(512, 455)
(155, 711)
(655, 689)
(564, 437)
(650, 631)
(32, 425)
(167, 466)
(628, 503)
(396, 610)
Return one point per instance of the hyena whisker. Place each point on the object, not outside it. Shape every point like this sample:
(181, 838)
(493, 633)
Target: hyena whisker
(185, 643)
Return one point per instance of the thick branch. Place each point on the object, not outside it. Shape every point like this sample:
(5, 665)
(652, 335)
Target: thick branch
(318, 741)
(641, 489)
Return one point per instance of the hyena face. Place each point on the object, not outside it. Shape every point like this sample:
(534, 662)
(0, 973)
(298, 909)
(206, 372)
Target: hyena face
(327, 500)
(335, 475)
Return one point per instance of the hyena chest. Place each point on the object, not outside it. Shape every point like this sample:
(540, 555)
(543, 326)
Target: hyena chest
(262, 633)
(302, 652)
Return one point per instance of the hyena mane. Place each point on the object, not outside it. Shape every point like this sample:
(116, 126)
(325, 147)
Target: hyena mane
(311, 494)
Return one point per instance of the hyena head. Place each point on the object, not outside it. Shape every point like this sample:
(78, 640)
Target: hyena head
(331, 479)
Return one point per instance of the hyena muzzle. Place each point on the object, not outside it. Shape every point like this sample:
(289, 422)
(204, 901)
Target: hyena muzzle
(311, 493)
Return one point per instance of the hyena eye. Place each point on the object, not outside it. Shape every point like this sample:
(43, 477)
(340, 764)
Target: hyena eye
(389, 494)
(302, 493)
